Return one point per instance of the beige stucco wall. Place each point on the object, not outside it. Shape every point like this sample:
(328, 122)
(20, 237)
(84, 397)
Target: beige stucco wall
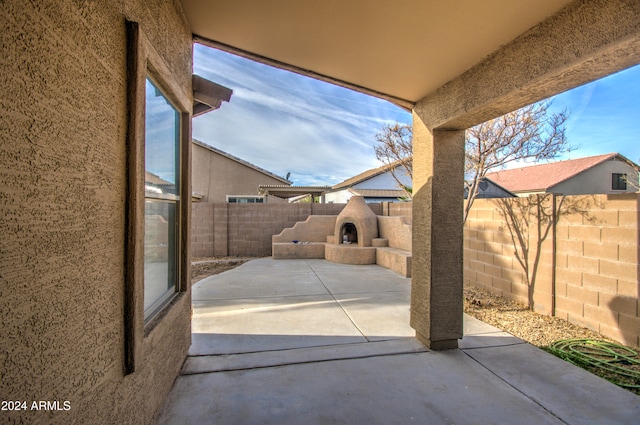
(216, 176)
(63, 171)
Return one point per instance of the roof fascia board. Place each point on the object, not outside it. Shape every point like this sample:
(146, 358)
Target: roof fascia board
(207, 95)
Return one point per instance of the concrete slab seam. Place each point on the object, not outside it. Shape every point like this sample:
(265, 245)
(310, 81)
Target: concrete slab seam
(367, 356)
(337, 302)
(487, 348)
(514, 387)
(278, 350)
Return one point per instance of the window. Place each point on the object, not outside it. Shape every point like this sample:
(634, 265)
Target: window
(158, 144)
(618, 181)
(162, 199)
(245, 199)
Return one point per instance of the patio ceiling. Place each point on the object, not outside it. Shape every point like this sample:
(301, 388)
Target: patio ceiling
(401, 50)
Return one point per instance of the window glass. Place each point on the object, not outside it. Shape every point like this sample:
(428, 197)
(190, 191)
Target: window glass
(618, 181)
(162, 189)
(159, 253)
(245, 200)
(162, 133)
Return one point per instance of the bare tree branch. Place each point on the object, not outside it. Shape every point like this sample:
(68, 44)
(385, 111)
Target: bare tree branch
(394, 148)
(532, 133)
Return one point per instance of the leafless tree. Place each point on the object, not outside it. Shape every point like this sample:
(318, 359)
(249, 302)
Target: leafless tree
(632, 180)
(532, 133)
(529, 221)
(393, 148)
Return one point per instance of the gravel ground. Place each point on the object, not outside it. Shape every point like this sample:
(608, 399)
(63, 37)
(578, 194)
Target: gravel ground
(507, 315)
(519, 321)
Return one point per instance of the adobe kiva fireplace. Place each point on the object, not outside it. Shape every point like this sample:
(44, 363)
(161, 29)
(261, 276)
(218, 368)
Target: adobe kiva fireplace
(356, 227)
(355, 236)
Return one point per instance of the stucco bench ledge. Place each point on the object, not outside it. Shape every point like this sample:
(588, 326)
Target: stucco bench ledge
(302, 249)
(398, 260)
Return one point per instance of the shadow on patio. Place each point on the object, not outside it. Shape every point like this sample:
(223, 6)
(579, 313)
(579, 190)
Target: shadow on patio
(309, 341)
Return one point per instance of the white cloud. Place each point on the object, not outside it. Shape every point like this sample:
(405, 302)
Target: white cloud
(284, 122)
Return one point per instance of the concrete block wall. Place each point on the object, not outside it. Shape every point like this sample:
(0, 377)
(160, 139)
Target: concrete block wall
(594, 272)
(597, 271)
(396, 209)
(221, 229)
(202, 229)
(488, 253)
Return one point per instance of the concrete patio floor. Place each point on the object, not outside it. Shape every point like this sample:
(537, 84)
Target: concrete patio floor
(314, 342)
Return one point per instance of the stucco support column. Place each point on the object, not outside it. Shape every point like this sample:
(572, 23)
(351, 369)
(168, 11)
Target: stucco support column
(436, 289)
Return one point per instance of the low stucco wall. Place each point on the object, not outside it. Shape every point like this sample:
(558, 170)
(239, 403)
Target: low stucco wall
(396, 230)
(315, 228)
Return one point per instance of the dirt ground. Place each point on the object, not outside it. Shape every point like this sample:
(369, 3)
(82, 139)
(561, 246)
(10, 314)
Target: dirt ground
(204, 267)
(507, 315)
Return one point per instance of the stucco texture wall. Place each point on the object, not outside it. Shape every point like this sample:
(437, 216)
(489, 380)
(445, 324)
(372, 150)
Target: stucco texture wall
(216, 176)
(593, 271)
(63, 172)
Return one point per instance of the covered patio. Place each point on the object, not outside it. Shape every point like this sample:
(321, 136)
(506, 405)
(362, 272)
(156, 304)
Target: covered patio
(309, 341)
(79, 85)
(452, 64)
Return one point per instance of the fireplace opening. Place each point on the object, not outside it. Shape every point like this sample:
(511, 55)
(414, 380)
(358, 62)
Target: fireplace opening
(349, 233)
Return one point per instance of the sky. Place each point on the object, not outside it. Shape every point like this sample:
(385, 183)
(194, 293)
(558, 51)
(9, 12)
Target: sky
(323, 134)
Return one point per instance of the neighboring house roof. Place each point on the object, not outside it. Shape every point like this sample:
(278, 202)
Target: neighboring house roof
(155, 179)
(489, 189)
(241, 161)
(545, 176)
(366, 175)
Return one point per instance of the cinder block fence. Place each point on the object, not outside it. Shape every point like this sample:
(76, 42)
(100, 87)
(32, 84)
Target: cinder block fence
(581, 264)
(222, 229)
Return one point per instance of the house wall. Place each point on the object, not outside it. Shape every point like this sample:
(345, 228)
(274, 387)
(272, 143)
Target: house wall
(594, 272)
(384, 181)
(491, 191)
(338, 197)
(380, 182)
(63, 167)
(598, 179)
(216, 176)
